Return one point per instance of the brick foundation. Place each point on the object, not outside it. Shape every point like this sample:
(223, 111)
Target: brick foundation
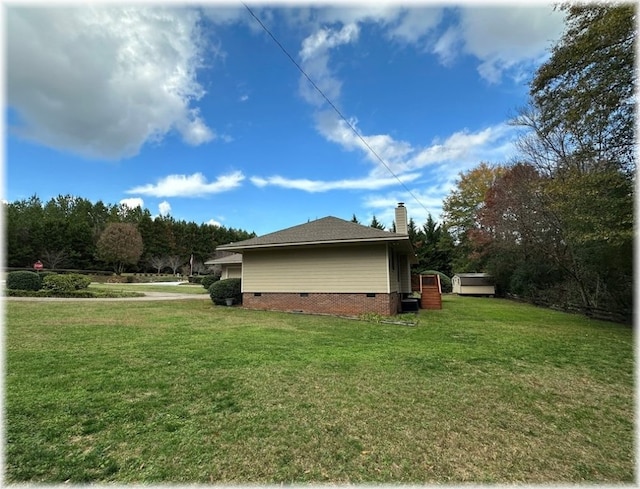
(325, 303)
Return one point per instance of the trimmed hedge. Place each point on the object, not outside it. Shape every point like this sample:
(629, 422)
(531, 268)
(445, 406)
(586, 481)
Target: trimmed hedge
(24, 280)
(74, 294)
(230, 288)
(66, 283)
(208, 280)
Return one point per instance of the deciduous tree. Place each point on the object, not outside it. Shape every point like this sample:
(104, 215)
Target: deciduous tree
(120, 244)
(159, 262)
(461, 209)
(584, 93)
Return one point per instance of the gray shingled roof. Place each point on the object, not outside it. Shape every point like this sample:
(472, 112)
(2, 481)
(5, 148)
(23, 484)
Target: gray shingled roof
(226, 260)
(326, 230)
(474, 278)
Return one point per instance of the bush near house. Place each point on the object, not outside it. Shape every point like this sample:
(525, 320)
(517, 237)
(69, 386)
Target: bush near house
(208, 280)
(65, 283)
(24, 280)
(226, 289)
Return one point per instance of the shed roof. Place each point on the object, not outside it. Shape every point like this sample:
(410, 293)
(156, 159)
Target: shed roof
(474, 278)
(327, 230)
(233, 258)
(472, 275)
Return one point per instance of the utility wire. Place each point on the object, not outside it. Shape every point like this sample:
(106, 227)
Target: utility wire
(355, 131)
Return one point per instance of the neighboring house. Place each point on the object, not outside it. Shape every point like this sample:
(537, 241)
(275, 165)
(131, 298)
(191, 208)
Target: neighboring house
(473, 284)
(327, 266)
(230, 265)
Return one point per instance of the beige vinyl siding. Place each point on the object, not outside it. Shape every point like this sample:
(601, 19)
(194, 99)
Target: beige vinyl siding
(394, 265)
(399, 272)
(477, 289)
(405, 274)
(232, 271)
(340, 269)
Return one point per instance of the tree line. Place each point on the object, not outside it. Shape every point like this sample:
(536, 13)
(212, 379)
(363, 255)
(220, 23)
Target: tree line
(65, 232)
(555, 225)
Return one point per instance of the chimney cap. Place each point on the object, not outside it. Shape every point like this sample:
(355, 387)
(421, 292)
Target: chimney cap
(400, 204)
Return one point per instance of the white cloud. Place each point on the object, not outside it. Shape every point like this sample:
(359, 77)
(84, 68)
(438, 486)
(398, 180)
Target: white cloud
(164, 208)
(399, 22)
(447, 46)
(103, 81)
(366, 12)
(491, 143)
(415, 23)
(315, 62)
(133, 202)
(313, 186)
(213, 222)
(336, 130)
(195, 185)
(324, 39)
(502, 38)
(195, 131)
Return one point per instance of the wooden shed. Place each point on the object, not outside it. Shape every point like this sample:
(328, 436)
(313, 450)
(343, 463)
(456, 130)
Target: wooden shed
(473, 284)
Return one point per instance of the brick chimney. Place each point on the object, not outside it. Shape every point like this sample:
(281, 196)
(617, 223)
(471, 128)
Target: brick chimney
(401, 219)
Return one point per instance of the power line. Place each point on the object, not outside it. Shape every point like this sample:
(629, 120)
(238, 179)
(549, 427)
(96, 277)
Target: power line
(355, 131)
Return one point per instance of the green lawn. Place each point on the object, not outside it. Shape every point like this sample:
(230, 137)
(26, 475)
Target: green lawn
(180, 289)
(484, 391)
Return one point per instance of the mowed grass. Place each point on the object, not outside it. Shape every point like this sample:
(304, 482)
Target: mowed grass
(159, 287)
(483, 391)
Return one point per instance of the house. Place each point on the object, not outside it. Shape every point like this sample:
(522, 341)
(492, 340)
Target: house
(328, 266)
(473, 284)
(230, 265)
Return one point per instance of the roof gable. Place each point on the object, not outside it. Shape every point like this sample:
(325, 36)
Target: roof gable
(326, 230)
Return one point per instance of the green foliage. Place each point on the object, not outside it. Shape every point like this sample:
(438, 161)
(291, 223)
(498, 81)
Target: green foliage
(230, 288)
(376, 224)
(207, 280)
(557, 227)
(65, 230)
(461, 209)
(24, 280)
(43, 275)
(66, 282)
(584, 93)
(432, 244)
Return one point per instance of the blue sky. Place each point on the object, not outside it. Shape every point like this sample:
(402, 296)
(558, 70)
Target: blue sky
(195, 112)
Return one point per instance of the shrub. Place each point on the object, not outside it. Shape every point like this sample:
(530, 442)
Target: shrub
(66, 283)
(207, 280)
(24, 280)
(44, 275)
(230, 288)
